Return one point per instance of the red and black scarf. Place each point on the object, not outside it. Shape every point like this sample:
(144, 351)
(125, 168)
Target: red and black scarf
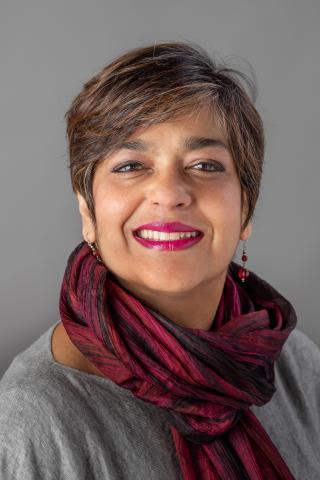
(205, 380)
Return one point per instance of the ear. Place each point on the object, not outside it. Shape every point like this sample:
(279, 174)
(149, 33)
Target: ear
(88, 229)
(246, 232)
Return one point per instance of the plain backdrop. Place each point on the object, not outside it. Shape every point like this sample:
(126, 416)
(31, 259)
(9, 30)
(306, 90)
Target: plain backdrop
(50, 48)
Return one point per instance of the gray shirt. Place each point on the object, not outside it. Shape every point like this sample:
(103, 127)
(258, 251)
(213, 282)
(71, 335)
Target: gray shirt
(58, 423)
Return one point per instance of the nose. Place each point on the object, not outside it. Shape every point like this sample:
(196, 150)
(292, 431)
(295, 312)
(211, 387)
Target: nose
(168, 189)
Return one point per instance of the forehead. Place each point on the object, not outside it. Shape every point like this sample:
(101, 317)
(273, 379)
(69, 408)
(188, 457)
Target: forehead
(194, 129)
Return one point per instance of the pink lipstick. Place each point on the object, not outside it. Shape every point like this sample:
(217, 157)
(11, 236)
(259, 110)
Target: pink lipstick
(162, 240)
(168, 227)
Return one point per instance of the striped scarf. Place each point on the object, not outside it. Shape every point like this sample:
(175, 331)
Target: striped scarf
(205, 380)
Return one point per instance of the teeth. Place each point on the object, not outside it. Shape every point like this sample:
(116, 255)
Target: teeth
(154, 235)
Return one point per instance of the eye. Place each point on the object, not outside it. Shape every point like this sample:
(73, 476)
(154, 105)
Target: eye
(211, 166)
(125, 168)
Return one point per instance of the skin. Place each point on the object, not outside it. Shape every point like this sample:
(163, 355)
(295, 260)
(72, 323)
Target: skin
(169, 183)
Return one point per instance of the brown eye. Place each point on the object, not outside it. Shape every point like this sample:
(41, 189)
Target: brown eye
(126, 167)
(210, 167)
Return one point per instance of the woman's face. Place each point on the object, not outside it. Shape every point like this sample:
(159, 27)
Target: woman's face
(179, 171)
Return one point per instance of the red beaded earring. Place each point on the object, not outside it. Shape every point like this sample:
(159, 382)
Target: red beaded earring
(243, 273)
(95, 251)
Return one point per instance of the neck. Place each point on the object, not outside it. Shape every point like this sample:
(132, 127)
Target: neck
(192, 309)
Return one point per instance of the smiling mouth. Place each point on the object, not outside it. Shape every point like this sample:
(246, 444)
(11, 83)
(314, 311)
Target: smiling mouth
(161, 236)
(165, 241)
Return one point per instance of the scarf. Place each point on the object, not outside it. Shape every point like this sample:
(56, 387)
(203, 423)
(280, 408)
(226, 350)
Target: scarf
(205, 380)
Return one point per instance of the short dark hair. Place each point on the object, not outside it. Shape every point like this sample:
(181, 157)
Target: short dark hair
(150, 85)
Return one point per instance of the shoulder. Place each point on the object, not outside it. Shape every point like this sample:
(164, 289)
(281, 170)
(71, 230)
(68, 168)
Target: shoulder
(298, 377)
(40, 407)
(21, 408)
(33, 374)
(297, 385)
(292, 417)
(299, 360)
(59, 422)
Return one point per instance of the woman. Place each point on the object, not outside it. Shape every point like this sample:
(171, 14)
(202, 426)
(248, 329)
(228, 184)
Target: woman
(170, 360)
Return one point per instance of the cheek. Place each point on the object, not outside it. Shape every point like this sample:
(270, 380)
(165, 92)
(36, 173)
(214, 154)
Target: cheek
(224, 208)
(113, 209)
(106, 200)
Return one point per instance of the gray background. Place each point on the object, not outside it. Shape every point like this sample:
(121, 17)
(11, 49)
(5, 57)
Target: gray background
(49, 48)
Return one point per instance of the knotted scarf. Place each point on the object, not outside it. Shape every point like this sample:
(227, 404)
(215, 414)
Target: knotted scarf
(205, 380)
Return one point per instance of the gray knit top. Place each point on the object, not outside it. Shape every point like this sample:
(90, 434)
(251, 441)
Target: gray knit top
(58, 423)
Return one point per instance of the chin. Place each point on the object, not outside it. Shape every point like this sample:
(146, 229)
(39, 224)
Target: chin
(169, 285)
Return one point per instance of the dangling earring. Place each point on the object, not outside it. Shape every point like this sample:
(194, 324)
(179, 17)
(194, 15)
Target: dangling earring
(243, 273)
(95, 251)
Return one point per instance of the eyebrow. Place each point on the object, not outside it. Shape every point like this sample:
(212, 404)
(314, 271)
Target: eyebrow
(195, 143)
(189, 144)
